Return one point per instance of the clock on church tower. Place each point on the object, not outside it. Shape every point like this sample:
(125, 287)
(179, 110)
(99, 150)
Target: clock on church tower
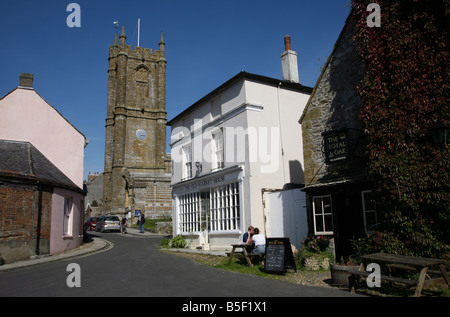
(135, 144)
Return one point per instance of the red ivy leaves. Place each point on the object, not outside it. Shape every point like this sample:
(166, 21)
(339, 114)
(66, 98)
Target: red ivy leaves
(405, 92)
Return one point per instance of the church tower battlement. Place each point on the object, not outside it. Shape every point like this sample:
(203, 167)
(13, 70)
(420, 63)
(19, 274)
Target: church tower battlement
(135, 139)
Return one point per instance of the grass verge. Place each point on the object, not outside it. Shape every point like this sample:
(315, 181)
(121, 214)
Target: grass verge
(320, 278)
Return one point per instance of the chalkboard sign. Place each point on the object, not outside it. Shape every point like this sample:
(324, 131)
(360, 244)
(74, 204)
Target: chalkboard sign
(279, 255)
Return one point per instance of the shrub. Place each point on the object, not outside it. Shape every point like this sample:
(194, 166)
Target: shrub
(315, 247)
(316, 244)
(165, 243)
(178, 242)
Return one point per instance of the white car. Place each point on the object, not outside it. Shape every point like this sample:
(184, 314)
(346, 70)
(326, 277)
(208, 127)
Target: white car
(108, 223)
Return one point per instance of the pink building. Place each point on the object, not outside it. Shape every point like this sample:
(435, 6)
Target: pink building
(26, 118)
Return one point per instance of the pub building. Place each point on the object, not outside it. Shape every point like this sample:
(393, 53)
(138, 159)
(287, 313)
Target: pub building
(338, 193)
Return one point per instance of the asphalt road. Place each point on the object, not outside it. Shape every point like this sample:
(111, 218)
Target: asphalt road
(134, 267)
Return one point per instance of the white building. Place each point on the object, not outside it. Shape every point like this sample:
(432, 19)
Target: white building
(232, 147)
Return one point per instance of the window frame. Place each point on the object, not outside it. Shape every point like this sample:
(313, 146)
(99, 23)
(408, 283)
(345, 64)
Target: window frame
(217, 148)
(323, 214)
(368, 210)
(223, 214)
(187, 162)
(67, 216)
(225, 209)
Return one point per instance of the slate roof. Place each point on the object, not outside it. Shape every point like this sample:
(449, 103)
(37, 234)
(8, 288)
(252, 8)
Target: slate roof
(21, 160)
(327, 63)
(232, 81)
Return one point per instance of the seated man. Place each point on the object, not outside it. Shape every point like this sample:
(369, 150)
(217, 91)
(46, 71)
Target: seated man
(247, 239)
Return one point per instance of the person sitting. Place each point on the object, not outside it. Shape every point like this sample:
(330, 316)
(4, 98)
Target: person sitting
(247, 239)
(260, 243)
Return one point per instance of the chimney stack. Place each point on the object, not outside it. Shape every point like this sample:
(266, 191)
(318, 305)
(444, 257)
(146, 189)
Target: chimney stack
(287, 43)
(26, 80)
(289, 62)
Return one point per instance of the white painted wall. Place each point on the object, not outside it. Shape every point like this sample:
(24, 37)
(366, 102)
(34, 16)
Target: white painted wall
(271, 150)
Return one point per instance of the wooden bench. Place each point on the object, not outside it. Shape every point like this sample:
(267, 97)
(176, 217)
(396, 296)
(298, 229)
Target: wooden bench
(243, 254)
(392, 262)
(355, 275)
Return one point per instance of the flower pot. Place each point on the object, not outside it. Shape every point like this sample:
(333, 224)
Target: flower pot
(323, 244)
(340, 274)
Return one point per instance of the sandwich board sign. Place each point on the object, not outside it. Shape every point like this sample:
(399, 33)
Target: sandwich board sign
(279, 256)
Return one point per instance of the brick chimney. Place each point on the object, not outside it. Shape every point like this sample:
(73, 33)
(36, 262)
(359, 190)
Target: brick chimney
(289, 62)
(26, 80)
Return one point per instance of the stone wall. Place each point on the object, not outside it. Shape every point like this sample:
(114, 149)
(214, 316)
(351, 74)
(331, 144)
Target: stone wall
(152, 195)
(135, 143)
(335, 106)
(165, 228)
(94, 194)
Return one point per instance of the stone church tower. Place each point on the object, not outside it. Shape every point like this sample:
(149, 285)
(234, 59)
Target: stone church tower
(137, 169)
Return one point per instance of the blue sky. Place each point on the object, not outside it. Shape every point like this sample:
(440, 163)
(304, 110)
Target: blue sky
(207, 43)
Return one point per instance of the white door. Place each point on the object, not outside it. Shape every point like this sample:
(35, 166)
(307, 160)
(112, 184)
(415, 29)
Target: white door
(285, 213)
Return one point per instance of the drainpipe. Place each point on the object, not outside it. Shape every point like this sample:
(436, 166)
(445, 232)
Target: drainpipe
(38, 227)
(281, 133)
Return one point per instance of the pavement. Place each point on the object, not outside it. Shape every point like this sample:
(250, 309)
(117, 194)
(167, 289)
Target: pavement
(96, 245)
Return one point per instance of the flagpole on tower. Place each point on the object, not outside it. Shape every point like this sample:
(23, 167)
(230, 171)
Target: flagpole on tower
(139, 30)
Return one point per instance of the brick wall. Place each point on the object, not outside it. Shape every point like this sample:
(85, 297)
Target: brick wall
(18, 221)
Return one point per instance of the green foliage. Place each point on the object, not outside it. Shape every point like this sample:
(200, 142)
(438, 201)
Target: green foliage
(178, 242)
(238, 266)
(150, 224)
(375, 242)
(314, 246)
(164, 243)
(405, 93)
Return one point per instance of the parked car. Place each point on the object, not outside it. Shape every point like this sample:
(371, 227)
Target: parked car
(109, 223)
(90, 223)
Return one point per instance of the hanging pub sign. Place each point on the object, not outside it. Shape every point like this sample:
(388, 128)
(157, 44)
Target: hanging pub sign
(336, 147)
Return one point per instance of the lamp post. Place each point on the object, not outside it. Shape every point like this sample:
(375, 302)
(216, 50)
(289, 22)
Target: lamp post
(154, 201)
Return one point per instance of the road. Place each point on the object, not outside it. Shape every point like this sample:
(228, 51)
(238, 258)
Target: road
(134, 267)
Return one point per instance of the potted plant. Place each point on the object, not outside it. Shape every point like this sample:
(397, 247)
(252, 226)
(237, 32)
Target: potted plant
(314, 254)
